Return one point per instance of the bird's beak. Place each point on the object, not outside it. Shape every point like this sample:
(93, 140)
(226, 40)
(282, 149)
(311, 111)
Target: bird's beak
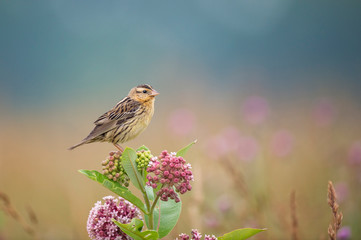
(154, 93)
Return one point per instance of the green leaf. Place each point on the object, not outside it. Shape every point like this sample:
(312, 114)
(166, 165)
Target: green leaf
(114, 187)
(169, 214)
(184, 150)
(136, 224)
(132, 230)
(142, 148)
(241, 234)
(128, 160)
(150, 193)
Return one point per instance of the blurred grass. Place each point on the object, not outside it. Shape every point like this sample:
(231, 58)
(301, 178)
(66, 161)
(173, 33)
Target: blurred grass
(37, 170)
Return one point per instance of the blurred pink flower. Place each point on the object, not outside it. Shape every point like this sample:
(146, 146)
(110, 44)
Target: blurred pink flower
(182, 121)
(248, 148)
(344, 233)
(224, 204)
(232, 137)
(255, 110)
(211, 221)
(342, 191)
(216, 147)
(354, 153)
(324, 113)
(282, 143)
(231, 141)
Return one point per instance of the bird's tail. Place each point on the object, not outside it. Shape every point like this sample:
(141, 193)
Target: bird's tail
(77, 145)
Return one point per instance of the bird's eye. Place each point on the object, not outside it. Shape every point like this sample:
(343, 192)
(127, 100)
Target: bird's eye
(144, 91)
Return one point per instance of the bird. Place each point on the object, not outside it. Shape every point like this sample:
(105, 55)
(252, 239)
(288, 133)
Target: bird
(126, 120)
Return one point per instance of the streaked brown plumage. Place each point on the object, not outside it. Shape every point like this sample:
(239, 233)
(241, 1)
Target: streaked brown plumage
(126, 120)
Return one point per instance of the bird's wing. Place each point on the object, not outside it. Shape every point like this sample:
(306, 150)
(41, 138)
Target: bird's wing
(122, 112)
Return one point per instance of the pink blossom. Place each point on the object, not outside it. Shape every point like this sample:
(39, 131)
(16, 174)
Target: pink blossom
(354, 153)
(196, 235)
(224, 204)
(255, 110)
(230, 140)
(211, 221)
(344, 233)
(171, 171)
(182, 121)
(232, 137)
(324, 113)
(209, 237)
(100, 225)
(282, 143)
(248, 148)
(183, 236)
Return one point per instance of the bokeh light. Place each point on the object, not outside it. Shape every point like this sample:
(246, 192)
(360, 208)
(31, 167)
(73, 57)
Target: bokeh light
(270, 89)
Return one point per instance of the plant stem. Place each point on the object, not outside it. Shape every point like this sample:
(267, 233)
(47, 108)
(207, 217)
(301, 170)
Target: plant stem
(154, 203)
(146, 200)
(150, 215)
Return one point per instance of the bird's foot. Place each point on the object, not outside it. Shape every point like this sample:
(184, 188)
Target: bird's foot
(119, 148)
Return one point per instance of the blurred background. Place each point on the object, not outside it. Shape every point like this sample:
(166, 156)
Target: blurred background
(271, 90)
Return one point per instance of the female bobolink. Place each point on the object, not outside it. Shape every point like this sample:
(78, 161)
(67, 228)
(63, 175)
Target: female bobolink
(126, 120)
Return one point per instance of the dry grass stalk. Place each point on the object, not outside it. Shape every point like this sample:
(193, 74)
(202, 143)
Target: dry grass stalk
(8, 208)
(336, 216)
(237, 176)
(294, 220)
(32, 215)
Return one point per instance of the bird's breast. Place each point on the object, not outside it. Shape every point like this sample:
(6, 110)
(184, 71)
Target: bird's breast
(147, 115)
(140, 124)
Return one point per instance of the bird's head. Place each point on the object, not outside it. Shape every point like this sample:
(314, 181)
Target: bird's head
(143, 93)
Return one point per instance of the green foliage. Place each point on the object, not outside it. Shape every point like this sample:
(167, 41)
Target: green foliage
(150, 193)
(169, 215)
(241, 234)
(130, 166)
(184, 150)
(134, 230)
(115, 187)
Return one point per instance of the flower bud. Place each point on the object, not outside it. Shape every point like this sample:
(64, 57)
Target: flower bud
(113, 168)
(143, 159)
(171, 172)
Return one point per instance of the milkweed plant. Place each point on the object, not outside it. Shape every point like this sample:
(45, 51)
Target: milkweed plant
(161, 181)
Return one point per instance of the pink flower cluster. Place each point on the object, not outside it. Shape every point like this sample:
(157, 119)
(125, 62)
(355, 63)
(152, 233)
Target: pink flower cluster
(195, 236)
(169, 171)
(100, 225)
(256, 110)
